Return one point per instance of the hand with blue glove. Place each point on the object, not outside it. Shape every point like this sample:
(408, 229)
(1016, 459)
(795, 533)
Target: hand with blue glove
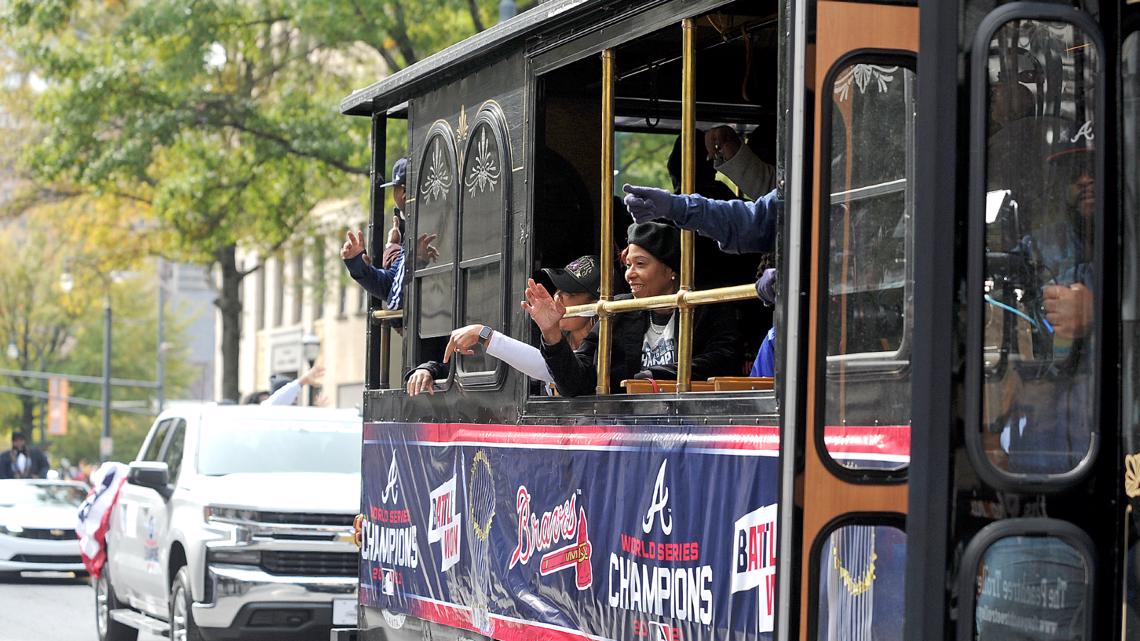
(766, 287)
(648, 203)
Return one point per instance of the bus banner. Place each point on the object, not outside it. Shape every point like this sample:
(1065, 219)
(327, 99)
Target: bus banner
(572, 532)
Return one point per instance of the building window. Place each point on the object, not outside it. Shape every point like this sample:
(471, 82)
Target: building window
(279, 290)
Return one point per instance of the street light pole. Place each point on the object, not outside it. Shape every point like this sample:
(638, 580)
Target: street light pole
(160, 366)
(106, 446)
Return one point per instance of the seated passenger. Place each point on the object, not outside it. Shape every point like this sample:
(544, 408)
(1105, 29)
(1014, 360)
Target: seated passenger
(645, 342)
(577, 284)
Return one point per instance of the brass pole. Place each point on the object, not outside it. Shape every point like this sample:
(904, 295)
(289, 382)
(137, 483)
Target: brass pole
(688, 170)
(607, 251)
(385, 355)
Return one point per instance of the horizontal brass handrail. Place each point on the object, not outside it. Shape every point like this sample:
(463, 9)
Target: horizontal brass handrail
(680, 299)
(387, 314)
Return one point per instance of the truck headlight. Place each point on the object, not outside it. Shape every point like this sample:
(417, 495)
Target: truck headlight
(11, 529)
(228, 514)
(236, 557)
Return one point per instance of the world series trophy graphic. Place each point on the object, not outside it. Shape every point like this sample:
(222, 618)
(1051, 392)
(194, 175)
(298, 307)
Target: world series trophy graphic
(481, 498)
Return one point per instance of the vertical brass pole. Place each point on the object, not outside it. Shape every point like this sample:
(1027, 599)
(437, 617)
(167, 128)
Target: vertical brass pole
(385, 354)
(607, 242)
(688, 175)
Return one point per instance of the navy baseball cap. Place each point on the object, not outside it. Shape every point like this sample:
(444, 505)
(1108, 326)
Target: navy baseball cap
(582, 275)
(399, 174)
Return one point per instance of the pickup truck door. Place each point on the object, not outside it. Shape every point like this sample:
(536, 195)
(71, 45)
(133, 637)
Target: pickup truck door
(123, 542)
(154, 528)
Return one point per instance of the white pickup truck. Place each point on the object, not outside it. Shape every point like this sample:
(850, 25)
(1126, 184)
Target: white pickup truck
(236, 523)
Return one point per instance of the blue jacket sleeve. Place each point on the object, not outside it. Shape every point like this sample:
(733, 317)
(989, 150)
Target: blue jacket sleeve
(375, 281)
(739, 227)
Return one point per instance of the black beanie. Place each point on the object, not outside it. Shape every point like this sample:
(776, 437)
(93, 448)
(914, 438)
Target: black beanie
(661, 240)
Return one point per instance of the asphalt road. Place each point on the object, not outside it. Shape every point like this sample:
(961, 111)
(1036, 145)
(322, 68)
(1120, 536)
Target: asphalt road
(49, 607)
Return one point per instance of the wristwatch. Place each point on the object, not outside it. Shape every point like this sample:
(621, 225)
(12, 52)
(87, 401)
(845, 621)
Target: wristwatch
(485, 335)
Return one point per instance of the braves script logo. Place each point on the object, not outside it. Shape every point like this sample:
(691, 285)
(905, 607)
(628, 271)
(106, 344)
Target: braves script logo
(392, 490)
(659, 505)
(566, 522)
(445, 524)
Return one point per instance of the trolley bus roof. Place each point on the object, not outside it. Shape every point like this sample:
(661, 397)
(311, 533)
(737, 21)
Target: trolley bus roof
(401, 85)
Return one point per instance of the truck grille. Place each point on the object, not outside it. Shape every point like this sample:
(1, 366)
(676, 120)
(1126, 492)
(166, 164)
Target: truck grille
(300, 518)
(48, 535)
(49, 558)
(288, 563)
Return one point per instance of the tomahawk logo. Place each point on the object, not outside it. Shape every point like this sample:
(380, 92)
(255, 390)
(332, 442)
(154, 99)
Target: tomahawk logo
(659, 505)
(392, 490)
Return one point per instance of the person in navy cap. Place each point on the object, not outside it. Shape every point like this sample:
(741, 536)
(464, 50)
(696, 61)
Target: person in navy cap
(386, 281)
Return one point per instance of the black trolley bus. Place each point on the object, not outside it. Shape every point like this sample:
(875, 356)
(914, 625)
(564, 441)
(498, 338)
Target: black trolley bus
(948, 449)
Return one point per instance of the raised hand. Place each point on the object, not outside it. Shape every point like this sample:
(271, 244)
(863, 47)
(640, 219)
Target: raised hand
(354, 246)
(313, 376)
(426, 252)
(544, 310)
(394, 232)
(647, 203)
(721, 143)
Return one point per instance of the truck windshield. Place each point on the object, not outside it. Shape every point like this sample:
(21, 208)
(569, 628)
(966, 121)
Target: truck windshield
(253, 446)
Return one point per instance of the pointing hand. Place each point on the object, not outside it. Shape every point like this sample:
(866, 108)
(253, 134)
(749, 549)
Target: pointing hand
(648, 203)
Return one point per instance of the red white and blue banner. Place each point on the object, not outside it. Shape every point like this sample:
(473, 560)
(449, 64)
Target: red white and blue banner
(658, 533)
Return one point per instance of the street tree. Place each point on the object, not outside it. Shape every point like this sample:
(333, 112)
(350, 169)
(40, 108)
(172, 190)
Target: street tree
(217, 118)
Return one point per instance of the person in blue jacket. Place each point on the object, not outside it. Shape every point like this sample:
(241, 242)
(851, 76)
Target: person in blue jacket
(386, 282)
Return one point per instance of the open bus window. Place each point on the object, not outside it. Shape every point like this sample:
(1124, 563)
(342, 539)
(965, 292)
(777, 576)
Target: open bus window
(860, 583)
(1039, 271)
(869, 200)
(647, 123)
(484, 197)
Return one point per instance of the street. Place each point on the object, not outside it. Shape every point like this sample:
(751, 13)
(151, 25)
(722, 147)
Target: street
(49, 607)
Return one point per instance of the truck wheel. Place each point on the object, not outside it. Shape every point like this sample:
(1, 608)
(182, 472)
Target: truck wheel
(182, 626)
(105, 601)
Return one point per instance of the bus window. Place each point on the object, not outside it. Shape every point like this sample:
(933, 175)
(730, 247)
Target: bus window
(435, 215)
(484, 196)
(860, 583)
(1030, 587)
(870, 168)
(1039, 274)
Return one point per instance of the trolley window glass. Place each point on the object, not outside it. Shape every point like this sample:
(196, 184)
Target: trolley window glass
(484, 197)
(435, 207)
(865, 258)
(1037, 211)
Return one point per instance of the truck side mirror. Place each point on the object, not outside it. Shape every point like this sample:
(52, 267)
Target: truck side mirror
(152, 474)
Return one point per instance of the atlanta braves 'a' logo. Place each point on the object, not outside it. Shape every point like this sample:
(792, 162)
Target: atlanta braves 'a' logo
(392, 490)
(659, 505)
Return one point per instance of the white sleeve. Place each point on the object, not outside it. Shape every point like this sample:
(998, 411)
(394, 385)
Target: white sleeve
(286, 395)
(525, 358)
(754, 176)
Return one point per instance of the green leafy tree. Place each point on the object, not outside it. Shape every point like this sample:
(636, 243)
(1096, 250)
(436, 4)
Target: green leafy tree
(216, 117)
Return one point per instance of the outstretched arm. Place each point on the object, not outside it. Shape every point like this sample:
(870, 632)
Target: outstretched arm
(738, 226)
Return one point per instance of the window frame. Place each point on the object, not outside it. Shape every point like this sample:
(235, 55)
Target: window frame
(989, 535)
(490, 115)
(976, 244)
(815, 565)
(895, 363)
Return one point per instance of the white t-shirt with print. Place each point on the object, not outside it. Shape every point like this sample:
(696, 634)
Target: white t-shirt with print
(659, 346)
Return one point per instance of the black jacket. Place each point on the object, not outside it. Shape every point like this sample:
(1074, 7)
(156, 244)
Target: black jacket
(37, 465)
(716, 351)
